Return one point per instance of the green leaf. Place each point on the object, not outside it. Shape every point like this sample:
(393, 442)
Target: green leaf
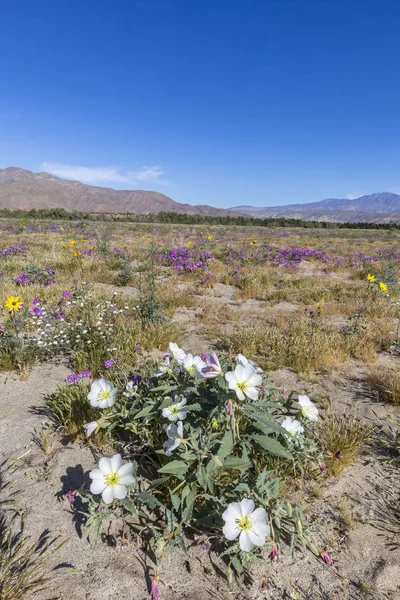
(176, 501)
(226, 446)
(195, 407)
(130, 507)
(145, 412)
(271, 445)
(149, 499)
(235, 462)
(190, 501)
(175, 467)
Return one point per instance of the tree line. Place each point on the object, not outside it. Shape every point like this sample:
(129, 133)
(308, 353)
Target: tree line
(185, 219)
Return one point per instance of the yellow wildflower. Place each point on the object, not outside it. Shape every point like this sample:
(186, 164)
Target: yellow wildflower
(190, 243)
(371, 278)
(83, 241)
(209, 238)
(383, 287)
(13, 303)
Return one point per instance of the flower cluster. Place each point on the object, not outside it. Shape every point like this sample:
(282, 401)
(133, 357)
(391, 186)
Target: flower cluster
(209, 429)
(182, 259)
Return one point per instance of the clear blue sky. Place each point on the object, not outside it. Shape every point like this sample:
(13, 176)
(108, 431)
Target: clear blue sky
(259, 102)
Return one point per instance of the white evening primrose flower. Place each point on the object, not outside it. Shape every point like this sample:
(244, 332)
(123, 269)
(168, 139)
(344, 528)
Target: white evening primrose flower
(90, 428)
(245, 362)
(177, 353)
(244, 381)
(175, 437)
(164, 366)
(130, 389)
(194, 365)
(250, 525)
(174, 412)
(112, 479)
(308, 408)
(102, 394)
(293, 427)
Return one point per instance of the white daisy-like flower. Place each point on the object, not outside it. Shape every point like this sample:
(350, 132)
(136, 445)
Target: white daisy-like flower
(242, 360)
(250, 525)
(102, 394)
(175, 437)
(308, 408)
(244, 381)
(174, 412)
(177, 353)
(194, 365)
(112, 479)
(292, 426)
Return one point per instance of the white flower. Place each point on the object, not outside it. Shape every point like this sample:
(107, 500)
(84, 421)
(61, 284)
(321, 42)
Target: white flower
(177, 353)
(90, 427)
(131, 389)
(244, 381)
(102, 394)
(241, 519)
(194, 365)
(163, 367)
(175, 435)
(294, 427)
(242, 360)
(308, 408)
(174, 412)
(111, 479)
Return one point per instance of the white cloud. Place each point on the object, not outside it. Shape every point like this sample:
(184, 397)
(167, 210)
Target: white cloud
(101, 175)
(146, 173)
(354, 195)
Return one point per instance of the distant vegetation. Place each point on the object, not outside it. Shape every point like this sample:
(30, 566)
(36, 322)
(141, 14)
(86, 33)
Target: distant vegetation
(185, 219)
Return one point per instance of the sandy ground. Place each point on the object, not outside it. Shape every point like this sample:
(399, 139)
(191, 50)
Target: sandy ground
(366, 553)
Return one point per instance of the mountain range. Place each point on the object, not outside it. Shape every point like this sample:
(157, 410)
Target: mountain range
(382, 207)
(25, 190)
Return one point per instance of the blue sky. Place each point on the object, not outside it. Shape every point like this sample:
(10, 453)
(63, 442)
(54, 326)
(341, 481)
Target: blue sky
(260, 102)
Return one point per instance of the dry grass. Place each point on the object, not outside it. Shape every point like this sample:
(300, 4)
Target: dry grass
(342, 440)
(386, 383)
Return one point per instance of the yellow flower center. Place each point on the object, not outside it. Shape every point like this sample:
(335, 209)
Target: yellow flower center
(112, 479)
(245, 524)
(242, 386)
(105, 395)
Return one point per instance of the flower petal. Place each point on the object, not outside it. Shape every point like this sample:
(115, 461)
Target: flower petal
(231, 530)
(126, 469)
(108, 495)
(105, 465)
(116, 463)
(247, 507)
(245, 542)
(98, 486)
(120, 491)
(233, 512)
(127, 480)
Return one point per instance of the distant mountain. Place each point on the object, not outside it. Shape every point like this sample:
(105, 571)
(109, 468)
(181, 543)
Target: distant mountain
(381, 207)
(22, 189)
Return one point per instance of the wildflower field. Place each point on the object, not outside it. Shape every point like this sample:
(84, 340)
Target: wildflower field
(198, 412)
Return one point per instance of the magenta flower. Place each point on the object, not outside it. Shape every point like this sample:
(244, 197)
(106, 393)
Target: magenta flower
(213, 368)
(274, 555)
(322, 467)
(229, 407)
(326, 558)
(155, 591)
(71, 496)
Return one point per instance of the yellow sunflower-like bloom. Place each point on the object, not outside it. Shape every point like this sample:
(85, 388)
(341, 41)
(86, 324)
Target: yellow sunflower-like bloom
(371, 278)
(383, 287)
(13, 303)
